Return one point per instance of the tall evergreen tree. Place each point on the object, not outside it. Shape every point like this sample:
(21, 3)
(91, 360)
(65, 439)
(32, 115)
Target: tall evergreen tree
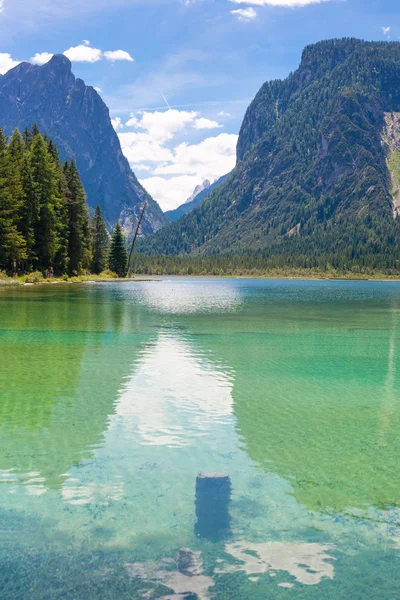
(15, 165)
(118, 260)
(12, 243)
(100, 242)
(46, 198)
(44, 221)
(79, 246)
(61, 260)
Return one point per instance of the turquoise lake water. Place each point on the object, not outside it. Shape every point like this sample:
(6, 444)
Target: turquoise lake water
(115, 397)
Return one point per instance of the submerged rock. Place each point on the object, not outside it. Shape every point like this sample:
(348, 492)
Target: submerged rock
(213, 496)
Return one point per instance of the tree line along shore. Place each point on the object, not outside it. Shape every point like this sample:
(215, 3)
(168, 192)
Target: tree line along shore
(45, 228)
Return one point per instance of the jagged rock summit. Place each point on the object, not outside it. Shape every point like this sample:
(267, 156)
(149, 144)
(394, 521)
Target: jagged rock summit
(76, 118)
(200, 193)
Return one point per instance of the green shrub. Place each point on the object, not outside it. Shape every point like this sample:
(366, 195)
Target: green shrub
(107, 274)
(35, 277)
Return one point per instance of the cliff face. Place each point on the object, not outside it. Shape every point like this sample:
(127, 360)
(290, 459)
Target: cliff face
(314, 174)
(77, 119)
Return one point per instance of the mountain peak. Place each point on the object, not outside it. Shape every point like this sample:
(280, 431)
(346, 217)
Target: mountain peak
(78, 121)
(198, 189)
(59, 61)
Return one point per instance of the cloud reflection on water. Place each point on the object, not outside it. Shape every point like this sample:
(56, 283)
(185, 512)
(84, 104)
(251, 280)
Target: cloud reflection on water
(180, 297)
(174, 394)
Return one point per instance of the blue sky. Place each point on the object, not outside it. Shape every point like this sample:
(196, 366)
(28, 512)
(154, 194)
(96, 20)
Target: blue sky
(205, 59)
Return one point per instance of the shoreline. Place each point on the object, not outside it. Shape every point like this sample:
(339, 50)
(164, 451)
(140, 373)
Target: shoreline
(11, 283)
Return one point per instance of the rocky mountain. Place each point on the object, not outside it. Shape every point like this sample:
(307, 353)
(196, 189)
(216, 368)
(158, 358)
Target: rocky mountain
(318, 174)
(200, 193)
(78, 121)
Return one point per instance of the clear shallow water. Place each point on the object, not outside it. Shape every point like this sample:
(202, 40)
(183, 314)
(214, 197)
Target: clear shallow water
(114, 397)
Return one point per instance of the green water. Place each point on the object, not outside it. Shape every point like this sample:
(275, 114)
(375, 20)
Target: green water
(114, 397)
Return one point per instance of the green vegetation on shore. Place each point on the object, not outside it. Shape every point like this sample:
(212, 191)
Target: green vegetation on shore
(251, 265)
(45, 231)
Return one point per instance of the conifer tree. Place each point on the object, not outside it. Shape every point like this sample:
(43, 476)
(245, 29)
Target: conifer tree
(61, 260)
(45, 198)
(118, 259)
(79, 246)
(15, 166)
(100, 242)
(12, 243)
(44, 222)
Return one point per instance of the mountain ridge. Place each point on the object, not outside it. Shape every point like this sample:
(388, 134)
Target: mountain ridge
(312, 177)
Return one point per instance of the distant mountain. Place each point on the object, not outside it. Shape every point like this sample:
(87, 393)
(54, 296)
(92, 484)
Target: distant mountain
(317, 180)
(198, 189)
(200, 193)
(78, 121)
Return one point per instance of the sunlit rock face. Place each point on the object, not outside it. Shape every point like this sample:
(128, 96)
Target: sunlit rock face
(77, 119)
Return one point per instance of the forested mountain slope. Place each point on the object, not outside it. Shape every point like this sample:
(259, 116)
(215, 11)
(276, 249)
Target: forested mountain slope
(78, 121)
(318, 172)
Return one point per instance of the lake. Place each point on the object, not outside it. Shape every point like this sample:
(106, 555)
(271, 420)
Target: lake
(115, 397)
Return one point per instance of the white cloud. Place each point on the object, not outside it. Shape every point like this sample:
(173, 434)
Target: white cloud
(83, 53)
(224, 114)
(386, 31)
(7, 63)
(139, 148)
(171, 193)
(114, 55)
(1, 6)
(141, 167)
(284, 3)
(206, 124)
(98, 89)
(210, 159)
(244, 14)
(117, 123)
(163, 125)
(175, 170)
(41, 58)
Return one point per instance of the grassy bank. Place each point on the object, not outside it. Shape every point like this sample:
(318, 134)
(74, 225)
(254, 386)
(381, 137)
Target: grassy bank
(37, 277)
(247, 266)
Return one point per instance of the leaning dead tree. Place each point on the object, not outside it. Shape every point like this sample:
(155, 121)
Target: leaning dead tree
(135, 237)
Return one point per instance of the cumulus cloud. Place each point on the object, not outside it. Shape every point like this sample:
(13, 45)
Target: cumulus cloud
(140, 148)
(98, 89)
(209, 159)
(224, 114)
(41, 58)
(284, 3)
(175, 169)
(117, 123)
(83, 53)
(114, 55)
(244, 14)
(7, 62)
(161, 126)
(206, 124)
(170, 193)
(386, 31)
(1, 6)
